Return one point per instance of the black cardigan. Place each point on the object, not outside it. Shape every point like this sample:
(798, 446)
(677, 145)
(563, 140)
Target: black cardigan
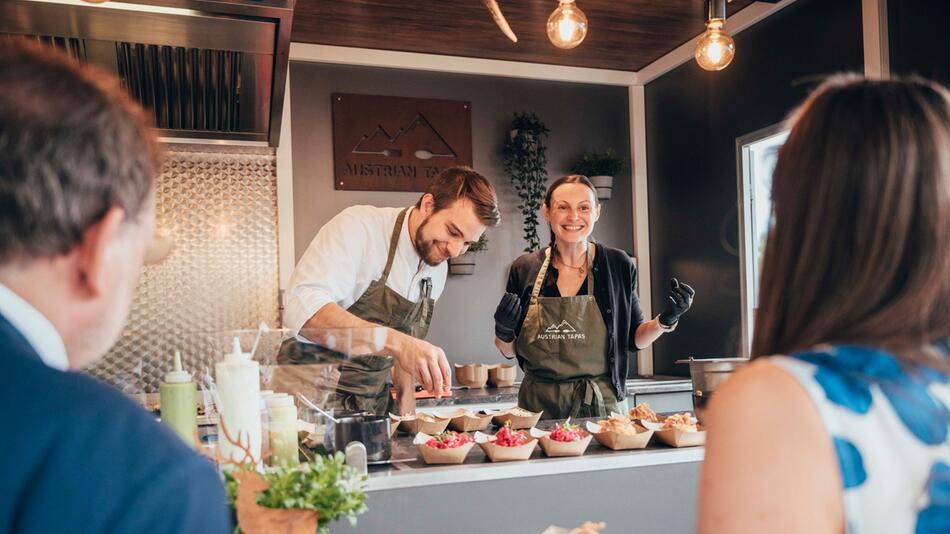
(615, 289)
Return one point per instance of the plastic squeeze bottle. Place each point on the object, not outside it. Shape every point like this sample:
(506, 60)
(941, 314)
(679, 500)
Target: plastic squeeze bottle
(178, 405)
(283, 429)
(239, 391)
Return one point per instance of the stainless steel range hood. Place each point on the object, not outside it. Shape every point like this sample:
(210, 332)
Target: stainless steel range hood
(210, 70)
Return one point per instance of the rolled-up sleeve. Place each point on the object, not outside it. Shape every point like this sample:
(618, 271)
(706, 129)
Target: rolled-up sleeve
(636, 312)
(327, 271)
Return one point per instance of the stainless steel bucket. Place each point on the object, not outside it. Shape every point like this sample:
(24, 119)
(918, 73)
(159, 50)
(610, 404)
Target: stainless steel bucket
(707, 375)
(373, 431)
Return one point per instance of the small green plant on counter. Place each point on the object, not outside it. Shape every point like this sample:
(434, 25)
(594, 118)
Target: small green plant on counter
(326, 485)
(526, 167)
(606, 163)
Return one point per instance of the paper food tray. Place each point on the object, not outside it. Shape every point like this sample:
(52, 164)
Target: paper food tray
(620, 442)
(413, 424)
(433, 456)
(518, 422)
(675, 437)
(555, 448)
(468, 421)
(497, 453)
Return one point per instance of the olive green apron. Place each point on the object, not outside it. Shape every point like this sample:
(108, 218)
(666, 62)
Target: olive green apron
(563, 347)
(363, 380)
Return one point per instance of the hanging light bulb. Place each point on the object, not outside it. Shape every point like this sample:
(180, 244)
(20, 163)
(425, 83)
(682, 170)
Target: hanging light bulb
(567, 25)
(716, 48)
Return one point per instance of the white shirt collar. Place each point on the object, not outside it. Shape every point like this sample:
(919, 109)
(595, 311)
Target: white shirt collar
(37, 330)
(405, 248)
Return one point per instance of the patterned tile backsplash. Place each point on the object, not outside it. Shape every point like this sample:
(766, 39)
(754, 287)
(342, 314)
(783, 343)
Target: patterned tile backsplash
(220, 207)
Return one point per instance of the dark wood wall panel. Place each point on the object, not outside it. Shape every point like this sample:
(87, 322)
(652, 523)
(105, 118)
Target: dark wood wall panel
(918, 38)
(623, 35)
(693, 120)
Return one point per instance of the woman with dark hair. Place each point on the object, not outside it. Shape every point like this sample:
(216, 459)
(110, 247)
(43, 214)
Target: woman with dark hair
(846, 430)
(571, 312)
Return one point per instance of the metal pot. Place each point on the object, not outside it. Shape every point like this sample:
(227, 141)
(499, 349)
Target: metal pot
(707, 375)
(373, 431)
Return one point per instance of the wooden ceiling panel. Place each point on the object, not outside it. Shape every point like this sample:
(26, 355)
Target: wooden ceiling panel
(623, 34)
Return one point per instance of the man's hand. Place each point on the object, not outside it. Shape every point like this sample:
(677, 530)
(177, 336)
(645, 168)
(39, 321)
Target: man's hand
(427, 363)
(405, 391)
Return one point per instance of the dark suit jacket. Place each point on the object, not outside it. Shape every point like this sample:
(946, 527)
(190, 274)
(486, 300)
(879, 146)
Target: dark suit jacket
(78, 456)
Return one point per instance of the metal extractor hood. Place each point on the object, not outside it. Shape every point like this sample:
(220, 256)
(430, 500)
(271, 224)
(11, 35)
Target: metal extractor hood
(211, 70)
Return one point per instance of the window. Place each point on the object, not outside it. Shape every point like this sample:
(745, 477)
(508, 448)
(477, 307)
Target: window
(757, 154)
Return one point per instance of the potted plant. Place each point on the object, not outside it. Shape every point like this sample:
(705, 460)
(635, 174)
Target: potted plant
(294, 498)
(302, 498)
(525, 164)
(465, 264)
(600, 168)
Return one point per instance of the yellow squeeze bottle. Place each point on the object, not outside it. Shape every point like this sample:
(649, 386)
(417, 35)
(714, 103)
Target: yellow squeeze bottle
(178, 405)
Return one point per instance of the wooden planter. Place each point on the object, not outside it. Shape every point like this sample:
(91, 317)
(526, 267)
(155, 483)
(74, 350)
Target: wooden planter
(464, 264)
(256, 519)
(604, 186)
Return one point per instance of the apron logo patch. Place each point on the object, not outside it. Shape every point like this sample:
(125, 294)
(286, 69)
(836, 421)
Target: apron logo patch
(562, 330)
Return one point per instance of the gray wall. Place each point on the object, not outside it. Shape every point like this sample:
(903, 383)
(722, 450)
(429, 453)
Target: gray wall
(580, 117)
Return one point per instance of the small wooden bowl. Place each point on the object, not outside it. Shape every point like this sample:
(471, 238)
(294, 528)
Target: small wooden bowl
(502, 376)
(471, 375)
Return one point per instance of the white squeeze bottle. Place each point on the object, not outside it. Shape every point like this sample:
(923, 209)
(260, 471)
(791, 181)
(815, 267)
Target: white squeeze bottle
(239, 390)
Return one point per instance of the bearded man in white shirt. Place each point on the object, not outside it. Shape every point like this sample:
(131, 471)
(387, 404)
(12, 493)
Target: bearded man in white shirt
(372, 266)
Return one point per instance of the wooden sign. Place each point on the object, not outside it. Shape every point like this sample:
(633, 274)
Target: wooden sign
(389, 143)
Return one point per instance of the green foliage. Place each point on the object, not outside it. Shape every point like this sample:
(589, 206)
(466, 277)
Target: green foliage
(605, 163)
(230, 486)
(327, 485)
(525, 165)
(480, 245)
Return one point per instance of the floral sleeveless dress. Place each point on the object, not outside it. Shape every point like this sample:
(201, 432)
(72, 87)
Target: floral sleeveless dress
(889, 423)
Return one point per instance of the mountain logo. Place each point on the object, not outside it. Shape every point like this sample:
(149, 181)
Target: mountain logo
(418, 137)
(563, 327)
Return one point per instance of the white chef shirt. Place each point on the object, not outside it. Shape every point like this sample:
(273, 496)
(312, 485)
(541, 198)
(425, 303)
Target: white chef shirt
(38, 331)
(348, 254)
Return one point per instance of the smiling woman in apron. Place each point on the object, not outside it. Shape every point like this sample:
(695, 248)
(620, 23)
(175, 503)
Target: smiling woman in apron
(571, 312)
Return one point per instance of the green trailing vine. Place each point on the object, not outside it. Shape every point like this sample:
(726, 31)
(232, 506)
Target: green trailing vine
(525, 165)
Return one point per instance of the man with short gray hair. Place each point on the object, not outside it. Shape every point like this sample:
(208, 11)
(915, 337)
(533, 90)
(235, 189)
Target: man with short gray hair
(77, 211)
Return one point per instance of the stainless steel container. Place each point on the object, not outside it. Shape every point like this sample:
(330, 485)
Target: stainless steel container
(707, 375)
(372, 431)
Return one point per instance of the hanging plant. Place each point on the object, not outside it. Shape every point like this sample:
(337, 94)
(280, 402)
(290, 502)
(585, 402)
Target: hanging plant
(594, 163)
(525, 165)
(465, 264)
(600, 168)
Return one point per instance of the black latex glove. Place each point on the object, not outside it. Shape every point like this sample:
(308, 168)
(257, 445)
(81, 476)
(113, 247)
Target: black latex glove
(679, 300)
(506, 317)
